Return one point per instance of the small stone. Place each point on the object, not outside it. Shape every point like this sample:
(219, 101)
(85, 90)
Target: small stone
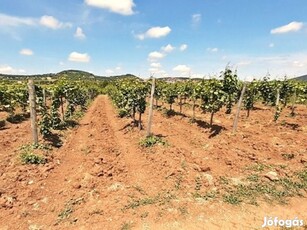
(115, 187)
(252, 157)
(205, 168)
(209, 178)
(272, 176)
(99, 160)
(109, 173)
(196, 167)
(2, 202)
(49, 168)
(76, 186)
(304, 159)
(172, 173)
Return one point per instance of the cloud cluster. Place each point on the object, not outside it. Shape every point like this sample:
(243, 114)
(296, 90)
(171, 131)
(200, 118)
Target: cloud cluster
(26, 52)
(6, 69)
(196, 19)
(183, 69)
(116, 70)
(123, 7)
(155, 32)
(183, 47)
(294, 64)
(155, 55)
(79, 57)
(53, 23)
(79, 33)
(212, 50)
(155, 65)
(7, 20)
(167, 49)
(291, 27)
(46, 21)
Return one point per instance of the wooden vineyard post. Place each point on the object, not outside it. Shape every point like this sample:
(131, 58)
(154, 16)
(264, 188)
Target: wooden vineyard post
(148, 132)
(293, 104)
(44, 97)
(62, 108)
(32, 101)
(235, 123)
(278, 109)
(277, 98)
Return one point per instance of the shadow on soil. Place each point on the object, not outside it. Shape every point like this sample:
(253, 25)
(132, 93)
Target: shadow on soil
(67, 124)
(18, 118)
(214, 129)
(54, 140)
(160, 135)
(71, 123)
(291, 125)
(172, 113)
(129, 126)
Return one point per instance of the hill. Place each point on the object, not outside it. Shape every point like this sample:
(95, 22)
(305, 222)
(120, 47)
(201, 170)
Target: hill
(75, 74)
(70, 74)
(301, 78)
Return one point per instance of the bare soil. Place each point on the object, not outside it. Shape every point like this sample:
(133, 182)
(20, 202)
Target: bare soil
(101, 178)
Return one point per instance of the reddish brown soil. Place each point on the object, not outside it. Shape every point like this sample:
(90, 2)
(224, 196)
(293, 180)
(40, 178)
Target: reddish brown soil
(90, 181)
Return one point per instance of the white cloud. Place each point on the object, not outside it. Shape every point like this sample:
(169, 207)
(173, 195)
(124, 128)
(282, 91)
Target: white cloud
(79, 57)
(26, 52)
(53, 23)
(197, 75)
(183, 47)
(244, 63)
(155, 55)
(116, 70)
(182, 68)
(7, 20)
(271, 45)
(6, 69)
(109, 71)
(155, 65)
(157, 71)
(124, 7)
(196, 19)
(291, 27)
(169, 48)
(290, 64)
(155, 32)
(79, 33)
(140, 36)
(47, 21)
(213, 50)
(299, 63)
(153, 70)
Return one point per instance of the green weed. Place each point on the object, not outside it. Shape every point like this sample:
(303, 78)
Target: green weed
(151, 141)
(28, 156)
(271, 191)
(160, 199)
(288, 156)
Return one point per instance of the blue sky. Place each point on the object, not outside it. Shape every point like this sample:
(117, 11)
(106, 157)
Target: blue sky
(165, 38)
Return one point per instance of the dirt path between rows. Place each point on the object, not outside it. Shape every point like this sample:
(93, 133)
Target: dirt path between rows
(103, 179)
